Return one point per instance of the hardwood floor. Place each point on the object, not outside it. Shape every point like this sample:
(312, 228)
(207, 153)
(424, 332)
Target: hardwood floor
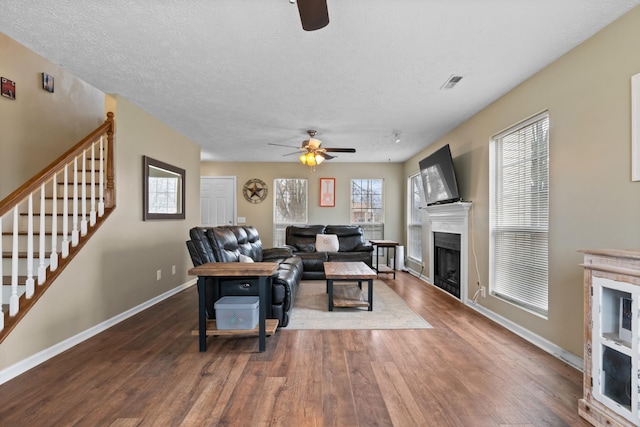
(147, 371)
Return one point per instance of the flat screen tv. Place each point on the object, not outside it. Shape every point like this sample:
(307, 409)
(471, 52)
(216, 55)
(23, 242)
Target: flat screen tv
(439, 177)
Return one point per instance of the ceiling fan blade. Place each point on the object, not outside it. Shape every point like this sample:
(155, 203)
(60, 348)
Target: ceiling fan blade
(325, 155)
(313, 14)
(281, 145)
(340, 150)
(297, 153)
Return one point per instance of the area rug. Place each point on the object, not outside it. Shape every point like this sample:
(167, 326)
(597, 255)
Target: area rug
(310, 310)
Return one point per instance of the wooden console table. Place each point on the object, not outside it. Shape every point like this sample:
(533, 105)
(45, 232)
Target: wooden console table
(221, 270)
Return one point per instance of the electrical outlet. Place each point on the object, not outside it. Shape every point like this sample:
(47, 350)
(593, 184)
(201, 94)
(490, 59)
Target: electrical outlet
(173, 269)
(483, 291)
(158, 274)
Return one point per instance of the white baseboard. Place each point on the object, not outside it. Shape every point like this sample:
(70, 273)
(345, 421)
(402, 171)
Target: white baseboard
(44, 355)
(544, 344)
(540, 342)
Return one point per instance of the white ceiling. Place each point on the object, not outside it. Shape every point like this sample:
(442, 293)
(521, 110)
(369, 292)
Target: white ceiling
(235, 75)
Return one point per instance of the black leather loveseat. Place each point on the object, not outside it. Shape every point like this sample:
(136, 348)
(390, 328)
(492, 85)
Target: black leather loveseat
(232, 243)
(352, 246)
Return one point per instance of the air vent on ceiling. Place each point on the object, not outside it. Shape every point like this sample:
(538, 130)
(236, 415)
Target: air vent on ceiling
(451, 82)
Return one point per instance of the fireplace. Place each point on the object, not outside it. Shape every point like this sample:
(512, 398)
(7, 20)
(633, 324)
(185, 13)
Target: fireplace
(446, 263)
(448, 237)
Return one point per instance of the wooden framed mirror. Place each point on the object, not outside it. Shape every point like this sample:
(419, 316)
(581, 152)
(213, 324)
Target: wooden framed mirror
(163, 190)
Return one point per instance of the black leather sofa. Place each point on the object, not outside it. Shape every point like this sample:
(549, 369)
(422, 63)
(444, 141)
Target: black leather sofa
(227, 244)
(352, 247)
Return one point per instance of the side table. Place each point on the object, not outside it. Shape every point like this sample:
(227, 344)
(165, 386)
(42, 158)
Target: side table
(388, 244)
(221, 270)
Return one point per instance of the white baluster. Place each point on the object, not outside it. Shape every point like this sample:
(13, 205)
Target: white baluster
(14, 300)
(65, 215)
(92, 213)
(1, 283)
(101, 180)
(83, 223)
(75, 238)
(42, 270)
(53, 264)
(30, 282)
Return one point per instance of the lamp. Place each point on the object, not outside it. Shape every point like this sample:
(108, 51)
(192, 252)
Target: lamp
(311, 158)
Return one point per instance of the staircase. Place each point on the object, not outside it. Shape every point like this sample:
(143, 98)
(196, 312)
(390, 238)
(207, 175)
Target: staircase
(47, 220)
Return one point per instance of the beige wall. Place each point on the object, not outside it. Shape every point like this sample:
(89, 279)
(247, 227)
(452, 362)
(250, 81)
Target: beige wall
(593, 202)
(261, 215)
(116, 270)
(38, 126)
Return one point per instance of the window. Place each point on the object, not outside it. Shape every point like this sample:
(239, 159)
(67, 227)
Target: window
(414, 221)
(366, 207)
(290, 206)
(519, 192)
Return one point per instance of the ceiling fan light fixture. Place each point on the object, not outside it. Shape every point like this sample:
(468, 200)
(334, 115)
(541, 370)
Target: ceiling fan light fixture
(309, 159)
(314, 143)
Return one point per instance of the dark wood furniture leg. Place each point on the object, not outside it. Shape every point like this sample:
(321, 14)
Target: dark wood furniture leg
(202, 314)
(262, 311)
(330, 290)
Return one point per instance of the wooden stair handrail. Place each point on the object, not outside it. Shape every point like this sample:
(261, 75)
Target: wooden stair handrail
(45, 174)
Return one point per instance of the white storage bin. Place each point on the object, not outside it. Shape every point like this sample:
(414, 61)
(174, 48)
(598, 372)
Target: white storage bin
(236, 312)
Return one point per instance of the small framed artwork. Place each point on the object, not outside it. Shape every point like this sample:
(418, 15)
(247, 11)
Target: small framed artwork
(8, 88)
(327, 192)
(47, 82)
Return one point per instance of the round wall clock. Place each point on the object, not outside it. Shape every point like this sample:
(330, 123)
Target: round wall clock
(255, 190)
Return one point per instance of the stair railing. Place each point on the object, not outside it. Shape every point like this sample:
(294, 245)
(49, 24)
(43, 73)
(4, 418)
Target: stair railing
(91, 202)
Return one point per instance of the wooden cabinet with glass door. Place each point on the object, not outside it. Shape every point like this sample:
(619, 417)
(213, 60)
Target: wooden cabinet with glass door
(611, 349)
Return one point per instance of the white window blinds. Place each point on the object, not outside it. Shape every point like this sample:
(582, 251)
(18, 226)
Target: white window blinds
(520, 214)
(414, 220)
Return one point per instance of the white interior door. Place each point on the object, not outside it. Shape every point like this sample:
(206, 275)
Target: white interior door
(217, 200)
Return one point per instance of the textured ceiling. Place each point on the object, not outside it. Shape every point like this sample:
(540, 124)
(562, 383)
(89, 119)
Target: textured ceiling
(235, 75)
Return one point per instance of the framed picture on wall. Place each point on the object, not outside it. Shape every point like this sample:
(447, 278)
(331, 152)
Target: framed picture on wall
(47, 82)
(8, 88)
(327, 192)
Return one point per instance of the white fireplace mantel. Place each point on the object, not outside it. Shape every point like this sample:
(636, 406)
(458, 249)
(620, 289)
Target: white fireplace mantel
(450, 218)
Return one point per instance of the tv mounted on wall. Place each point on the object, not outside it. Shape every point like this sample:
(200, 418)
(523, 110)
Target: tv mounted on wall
(439, 177)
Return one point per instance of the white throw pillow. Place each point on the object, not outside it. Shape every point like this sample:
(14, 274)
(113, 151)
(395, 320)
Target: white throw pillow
(244, 258)
(327, 243)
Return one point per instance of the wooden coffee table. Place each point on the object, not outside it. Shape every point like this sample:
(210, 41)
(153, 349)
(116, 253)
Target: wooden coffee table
(349, 296)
